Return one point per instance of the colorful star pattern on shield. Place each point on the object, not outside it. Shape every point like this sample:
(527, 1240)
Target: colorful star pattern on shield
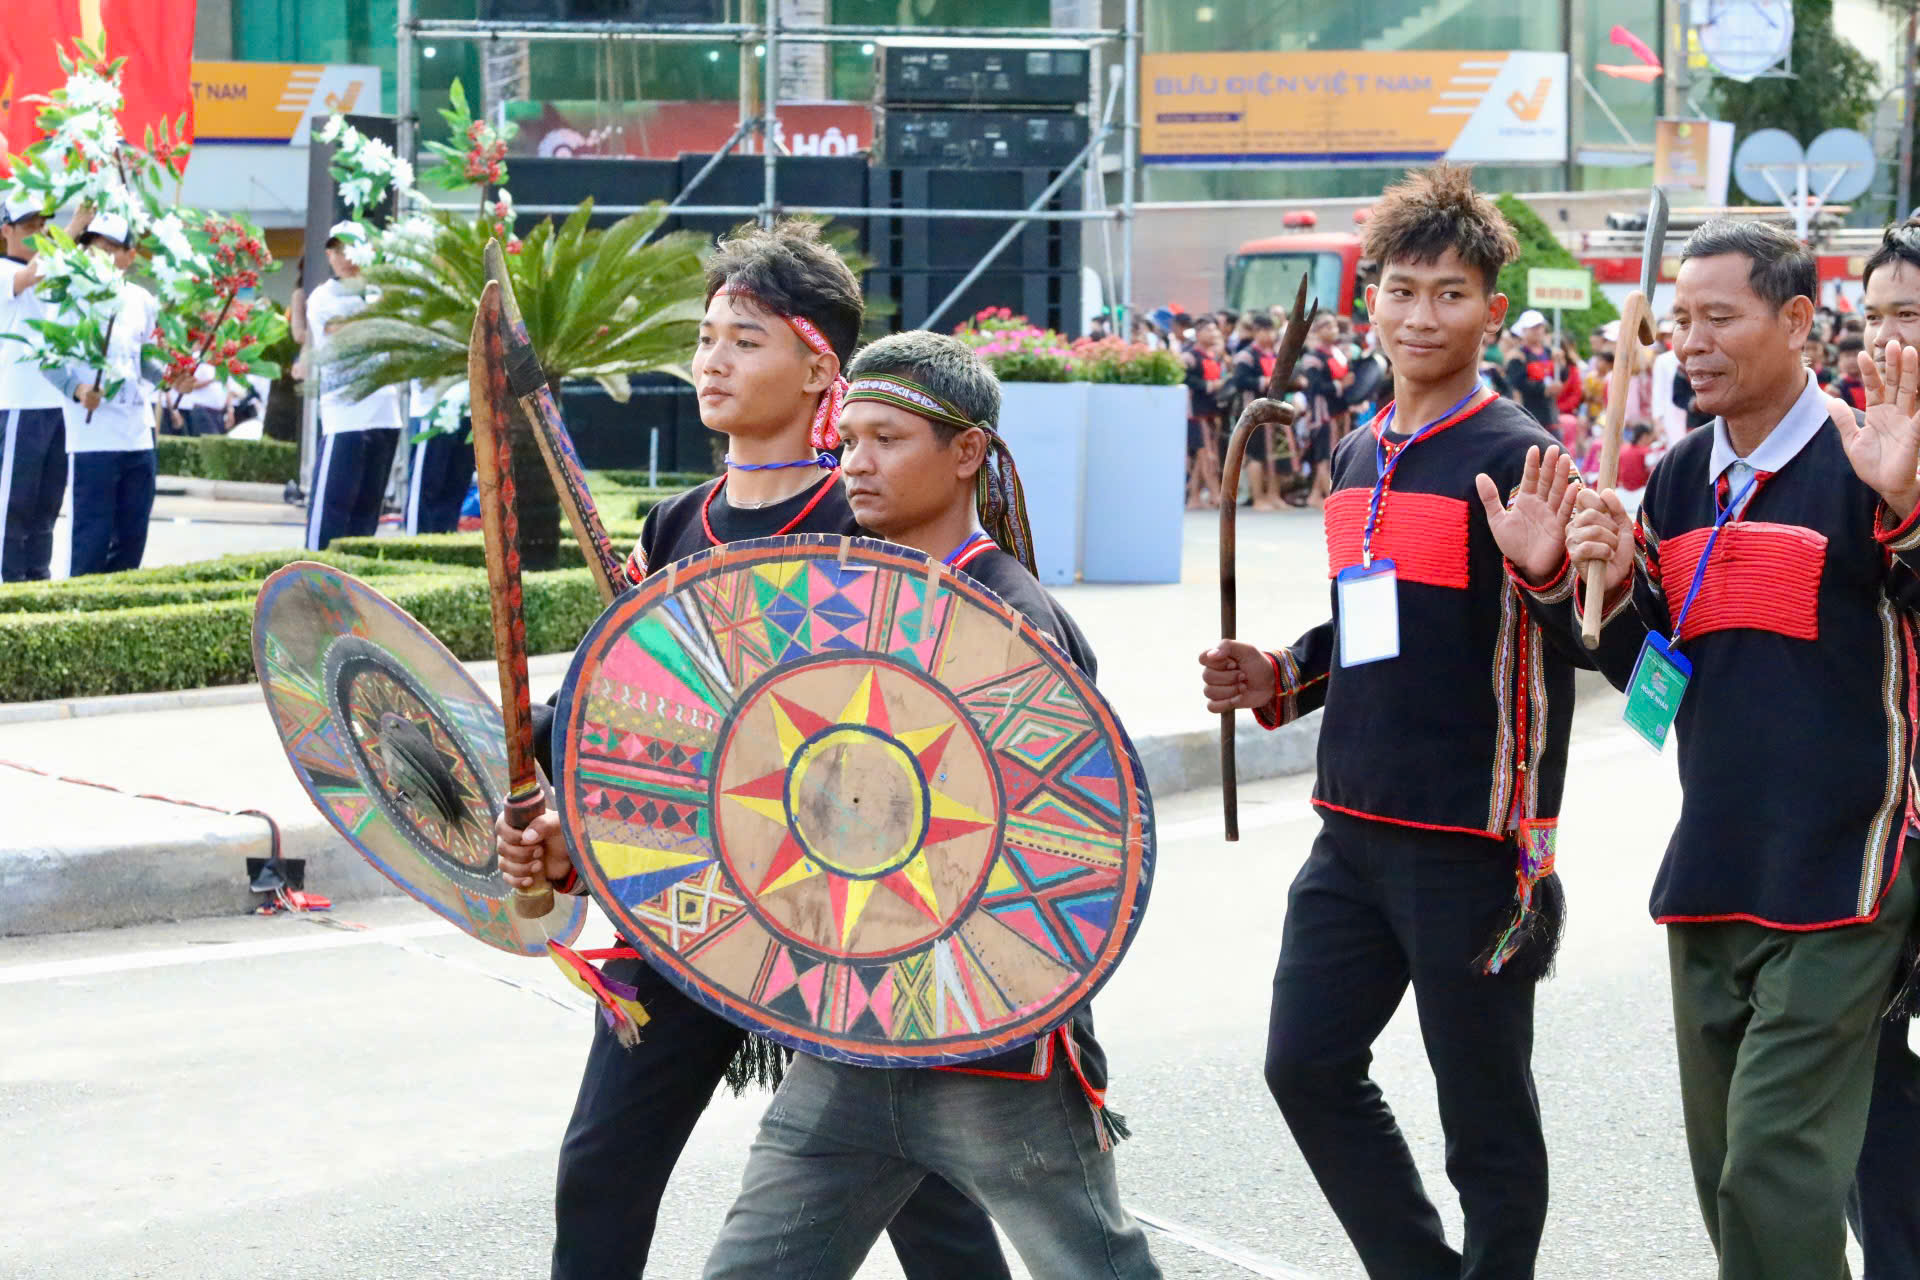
(847, 799)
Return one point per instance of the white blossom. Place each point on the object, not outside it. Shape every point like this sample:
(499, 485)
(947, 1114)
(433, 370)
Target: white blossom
(360, 254)
(331, 129)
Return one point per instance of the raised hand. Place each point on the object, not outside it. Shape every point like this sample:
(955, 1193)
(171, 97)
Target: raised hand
(1885, 452)
(1237, 677)
(1601, 530)
(1531, 530)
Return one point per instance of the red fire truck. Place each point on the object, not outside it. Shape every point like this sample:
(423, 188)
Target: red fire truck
(1265, 272)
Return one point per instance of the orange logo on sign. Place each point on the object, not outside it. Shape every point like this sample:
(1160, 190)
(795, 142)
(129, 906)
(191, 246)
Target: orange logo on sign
(342, 103)
(1526, 107)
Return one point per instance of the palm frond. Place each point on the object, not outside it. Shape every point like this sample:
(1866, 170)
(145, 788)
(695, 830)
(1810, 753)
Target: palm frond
(597, 304)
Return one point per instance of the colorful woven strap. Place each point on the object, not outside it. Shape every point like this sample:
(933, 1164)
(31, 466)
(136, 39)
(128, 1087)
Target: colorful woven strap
(904, 393)
(826, 419)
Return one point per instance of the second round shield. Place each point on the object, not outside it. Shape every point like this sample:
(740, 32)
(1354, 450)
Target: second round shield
(852, 802)
(398, 746)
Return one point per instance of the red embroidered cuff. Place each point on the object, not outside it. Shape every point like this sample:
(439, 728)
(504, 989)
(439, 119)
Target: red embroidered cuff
(1902, 538)
(1554, 589)
(1618, 601)
(572, 884)
(1273, 715)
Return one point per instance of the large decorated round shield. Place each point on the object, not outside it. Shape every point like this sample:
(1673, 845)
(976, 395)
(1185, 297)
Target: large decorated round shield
(852, 801)
(400, 748)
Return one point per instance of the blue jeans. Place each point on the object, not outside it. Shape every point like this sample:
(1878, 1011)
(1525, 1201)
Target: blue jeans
(442, 466)
(33, 481)
(112, 506)
(842, 1148)
(349, 480)
(636, 1110)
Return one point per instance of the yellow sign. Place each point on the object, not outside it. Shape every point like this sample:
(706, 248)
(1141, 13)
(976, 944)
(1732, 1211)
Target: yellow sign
(1353, 108)
(276, 102)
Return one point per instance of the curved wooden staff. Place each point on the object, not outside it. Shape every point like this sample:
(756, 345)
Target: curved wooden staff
(528, 383)
(1261, 413)
(490, 407)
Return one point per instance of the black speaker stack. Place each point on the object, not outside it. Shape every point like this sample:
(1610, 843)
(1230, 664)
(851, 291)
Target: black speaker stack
(971, 125)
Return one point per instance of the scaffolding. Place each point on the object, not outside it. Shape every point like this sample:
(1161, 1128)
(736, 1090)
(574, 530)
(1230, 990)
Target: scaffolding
(1120, 87)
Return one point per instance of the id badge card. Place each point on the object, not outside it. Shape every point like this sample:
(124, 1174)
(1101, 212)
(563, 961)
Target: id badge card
(1369, 613)
(1659, 682)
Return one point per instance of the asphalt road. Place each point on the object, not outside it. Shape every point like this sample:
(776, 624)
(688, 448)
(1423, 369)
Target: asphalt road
(240, 1098)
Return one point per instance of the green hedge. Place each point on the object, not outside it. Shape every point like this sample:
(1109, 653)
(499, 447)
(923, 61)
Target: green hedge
(669, 481)
(247, 566)
(219, 458)
(467, 550)
(192, 645)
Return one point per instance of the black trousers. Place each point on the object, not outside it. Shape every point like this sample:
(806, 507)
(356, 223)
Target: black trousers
(1375, 909)
(349, 480)
(112, 505)
(1884, 1208)
(439, 472)
(636, 1109)
(33, 482)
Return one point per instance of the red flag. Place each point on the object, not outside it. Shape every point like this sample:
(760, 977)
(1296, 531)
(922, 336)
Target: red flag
(154, 36)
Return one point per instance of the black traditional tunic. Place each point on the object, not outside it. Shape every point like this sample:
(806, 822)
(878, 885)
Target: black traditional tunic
(1796, 731)
(1466, 730)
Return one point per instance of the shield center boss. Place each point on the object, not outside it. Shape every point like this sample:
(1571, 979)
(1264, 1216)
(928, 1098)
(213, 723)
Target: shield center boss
(856, 805)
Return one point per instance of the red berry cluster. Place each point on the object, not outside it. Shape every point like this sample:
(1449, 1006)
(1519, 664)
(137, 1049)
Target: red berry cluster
(486, 155)
(240, 256)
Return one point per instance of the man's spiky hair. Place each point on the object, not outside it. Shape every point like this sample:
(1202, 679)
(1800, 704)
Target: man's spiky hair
(1433, 210)
(792, 269)
(943, 365)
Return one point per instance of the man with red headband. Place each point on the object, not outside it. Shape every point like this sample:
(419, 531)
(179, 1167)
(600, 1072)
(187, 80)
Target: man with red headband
(783, 314)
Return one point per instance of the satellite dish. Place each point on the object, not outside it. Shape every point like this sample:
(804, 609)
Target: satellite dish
(1773, 150)
(1843, 157)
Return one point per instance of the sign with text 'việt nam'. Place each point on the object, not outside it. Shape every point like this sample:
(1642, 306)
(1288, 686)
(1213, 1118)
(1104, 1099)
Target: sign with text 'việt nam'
(1568, 288)
(1353, 108)
(277, 103)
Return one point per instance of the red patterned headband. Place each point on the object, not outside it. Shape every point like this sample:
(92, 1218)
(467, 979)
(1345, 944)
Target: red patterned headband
(826, 419)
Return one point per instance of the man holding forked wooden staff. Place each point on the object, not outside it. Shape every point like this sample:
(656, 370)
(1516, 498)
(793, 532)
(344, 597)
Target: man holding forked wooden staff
(1448, 687)
(1767, 589)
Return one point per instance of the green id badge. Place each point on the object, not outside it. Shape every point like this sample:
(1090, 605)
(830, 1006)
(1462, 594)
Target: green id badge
(1659, 682)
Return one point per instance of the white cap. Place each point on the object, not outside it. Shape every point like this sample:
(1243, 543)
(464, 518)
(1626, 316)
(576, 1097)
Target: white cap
(1527, 320)
(22, 206)
(348, 232)
(111, 226)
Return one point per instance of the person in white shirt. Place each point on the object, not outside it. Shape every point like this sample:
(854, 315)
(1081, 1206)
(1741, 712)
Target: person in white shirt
(358, 436)
(110, 437)
(1669, 417)
(441, 469)
(33, 446)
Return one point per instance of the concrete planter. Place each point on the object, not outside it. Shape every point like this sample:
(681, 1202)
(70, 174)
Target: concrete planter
(1136, 483)
(1045, 424)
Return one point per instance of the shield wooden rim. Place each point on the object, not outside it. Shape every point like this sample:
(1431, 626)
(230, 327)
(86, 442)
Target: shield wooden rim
(374, 639)
(677, 864)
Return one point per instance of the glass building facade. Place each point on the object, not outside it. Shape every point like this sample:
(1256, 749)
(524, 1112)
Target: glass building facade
(362, 31)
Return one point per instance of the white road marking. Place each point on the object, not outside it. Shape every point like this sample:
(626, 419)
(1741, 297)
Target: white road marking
(331, 940)
(1226, 1253)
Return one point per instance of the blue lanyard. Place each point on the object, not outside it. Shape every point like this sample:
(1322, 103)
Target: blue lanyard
(824, 461)
(1383, 466)
(1700, 571)
(978, 535)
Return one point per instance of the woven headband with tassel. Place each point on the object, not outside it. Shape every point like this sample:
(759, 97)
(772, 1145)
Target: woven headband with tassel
(825, 434)
(998, 493)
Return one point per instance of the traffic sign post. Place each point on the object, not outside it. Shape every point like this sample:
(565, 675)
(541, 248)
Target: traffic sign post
(1554, 288)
